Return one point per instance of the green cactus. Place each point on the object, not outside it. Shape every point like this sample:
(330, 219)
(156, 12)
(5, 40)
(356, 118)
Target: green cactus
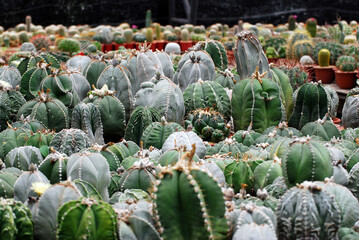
(158, 32)
(324, 57)
(304, 204)
(70, 141)
(282, 130)
(203, 94)
(140, 119)
(16, 222)
(11, 138)
(311, 26)
(93, 71)
(256, 101)
(228, 147)
(301, 48)
(88, 212)
(346, 64)
(28, 23)
(246, 137)
(23, 37)
(336, 50)
(203, 218)
(249, 55)
(265, 174)
(298, 35)
(296, 76)
(69, 45)
(149, 35)
(310, 104)
(271, 52)
(148, 64)
(128, 34)
(41, 139)
(226, 78)
(275, 42)
(306, 160)
(112, 159)
(208, 124)
(292, 22)
(54, 167)
(91, 167)
(22, 157)
(322, 128)
(10, 75)
(172, 156)
(112, 111)
(217, 52)
(239, 175)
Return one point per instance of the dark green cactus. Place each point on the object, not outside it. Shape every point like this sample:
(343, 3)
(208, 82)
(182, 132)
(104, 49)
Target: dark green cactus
(93, 70)
(336, 50)
(239, 175)
(296, 76)
(15, 221)
(246, 137)
(12, 138)
(54, 167)
(265, 173)
(88, 212)
(172, 156)
(301, 48)
(256, 101)
(41, 139)
(311, 26)
(70, 141)
(283, 130)
(226, 79)
(22, 157)
(229, 146)
(7, 182)
(306, 160)
(140, 119)
(217, 52)
(322, 128)
(307, 211)
(292, 22)
(32, 60)
(310, 104)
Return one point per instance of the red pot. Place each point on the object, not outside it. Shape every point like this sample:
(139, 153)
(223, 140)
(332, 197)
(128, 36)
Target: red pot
(273, 60)
(345, 80)
(153, 46)
(108, 47)
(129, 45)
(103, 47)
(160, 45)
(185, 45)
(324, 74)
(137, 45)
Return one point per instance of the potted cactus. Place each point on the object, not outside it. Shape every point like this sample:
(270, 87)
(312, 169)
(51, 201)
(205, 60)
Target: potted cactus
(149, 38)
(185, 43)
(160, 43)
(345, 75)
(128, 34)
(324, 71)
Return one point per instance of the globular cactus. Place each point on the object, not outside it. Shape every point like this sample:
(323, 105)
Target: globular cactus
(203, 218)
(91, 167)
(41, 139)
(292, 22)
(23, 157)
(24, 186)
(78, 62)
(87, 117)
(296, 76)
(140, 119)
(239, 175)
(249, 55)
(172, 156)
(173, 48)
(217, 52)
(27, 47)
(157, 133)
(10, 75)
(106, 35)
(306, 160)
(336, 50)
(11, 138)
(41, 41)
(226, 79)
(322, 128)
(90, 212)
(164, 96)
(265, 173)
(45, 212)
(51, 112)
(301, 48)
(69, 45)
(112, 159)
(93, 70)
(246, 137)
(70, 141)
(208, 124)
(298, 35)
(203, 94)
(310, 104)
(148, 64)
(16, 222)
(324, 57)
(229, 146)
(350, 118)
(54, 167)
(10, 103)
(308, 211)
(311, 26)
(112, 111)
(282, 130)
(256, 101)
(166, 63)
(254, 231)
(7, 182)
(346, 64)
(117, 79)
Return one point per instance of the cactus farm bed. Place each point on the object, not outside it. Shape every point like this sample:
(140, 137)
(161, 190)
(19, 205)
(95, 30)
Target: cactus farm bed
(199, 133)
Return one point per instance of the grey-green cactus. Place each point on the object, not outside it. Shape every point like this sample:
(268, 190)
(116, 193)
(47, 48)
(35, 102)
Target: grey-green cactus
(80, 84)
(226, 78)
(70, 141)
(54, 167)
(10, 75)
(31, 79)
(322, 128)
(265, 173)
(93, 70)
(22, 157)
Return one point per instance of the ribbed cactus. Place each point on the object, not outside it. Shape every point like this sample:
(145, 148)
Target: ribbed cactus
(16, 222)
(148, 64)
(301, 48)
(249, 55)
(164, 96)
(172, 156)
(246, 137)
(7, 182)
(353, 184)
(324, 57)
(254, 231)
(22, 157)
(91, 167)
(93, 70)
(112, 159)
(54, 167)
(117, 79)
(11, 138)
(228, 147)
(256, 101)
(350, 116)
(322, 128)
(51, 112)
(106, 35)
(123, 149)
(292, 22)
(202, 217)
(41, 139)
(217, 52)
(80, 84)
(346, 64)
(45, 212)
(203, 94)
(265, 173)
(140, 119)
(78, 63)
(336, 50)
(69, 45)
(166, 63)
(112, 111)
(282, 130)
(31, 79)
(87, 117)
(310, 104)
(10, 75)
(32, 60)
(239, 175)
(226, 79)
(10, 103)
(70, 141)
(306, 160)
(28, 23)
(296, 76)
(89, 213)
(157, 133)
(308, 211)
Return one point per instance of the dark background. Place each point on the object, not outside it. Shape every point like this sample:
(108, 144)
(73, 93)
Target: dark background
(98, 12)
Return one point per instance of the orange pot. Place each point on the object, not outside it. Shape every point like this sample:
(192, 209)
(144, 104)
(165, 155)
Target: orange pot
(324, 74)
(345, 80)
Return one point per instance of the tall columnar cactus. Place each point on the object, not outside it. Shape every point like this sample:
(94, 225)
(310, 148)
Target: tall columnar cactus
(164, 96)
(31, 79)
(89, 213)
(307, 211)
(87, 117)
(70, 141)
(51, 112)
(23, 157)
(157, 133)
(16, 222)
(140, 118)
(226, 79)
(28, 23)
(10, 103)
(112, 111)
(148, 20)
(256, 101)
(54, 167)
(310, 104)
(249, 55)
(45, 212)
(128, 34)
(10, 75)
(311, 26)
(93, 70)
(306, 160)
(324, 57)
(202, 217)
(203, 94)
(292, 22)
(91, 167)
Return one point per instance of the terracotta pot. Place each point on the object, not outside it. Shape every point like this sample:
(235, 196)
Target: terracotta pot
(153, 46)
(324, 74)
(160, 45)
(185, 45)
(108, 47)
(137, 45)
(129, 45)
(345, 80)
(102, 47)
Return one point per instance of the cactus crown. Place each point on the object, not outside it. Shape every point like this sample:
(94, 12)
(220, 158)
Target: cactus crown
(346, 63)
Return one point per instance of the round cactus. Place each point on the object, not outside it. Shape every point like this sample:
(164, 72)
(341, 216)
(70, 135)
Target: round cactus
(254, 231)
(31, 79)
(22, 157)
(217, 52)
(226, 79)
(301, 48)
(7, 182)
(10, 75)
(346, 64)
(69, 45)
(90, 211)
(283, 130)
(78, 63)
(239, 175)
(54, 167)
(12, 138)
(246, 137)
(32, 60)
(265, 173)
(296, 76)
(322, 128)
(172, 156)
(80, 84)
(229, 146)
(336, 50)
(93, 70)
(41, 139)
(148, 64)
(70, 141)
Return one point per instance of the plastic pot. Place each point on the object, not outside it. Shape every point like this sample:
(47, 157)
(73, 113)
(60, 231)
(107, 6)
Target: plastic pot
(324, 74)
